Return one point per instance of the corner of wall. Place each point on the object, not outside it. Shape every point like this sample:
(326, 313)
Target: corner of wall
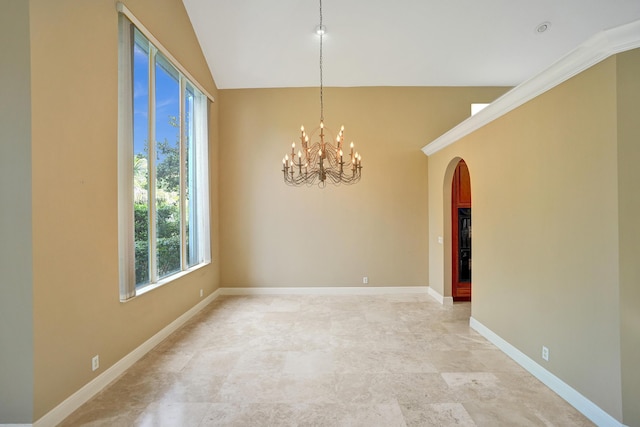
(16, 251)
(628, 105)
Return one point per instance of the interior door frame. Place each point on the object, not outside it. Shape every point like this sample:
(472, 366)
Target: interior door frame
(458, 294)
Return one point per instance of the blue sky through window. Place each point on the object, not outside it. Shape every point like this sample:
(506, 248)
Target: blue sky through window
(167, 92)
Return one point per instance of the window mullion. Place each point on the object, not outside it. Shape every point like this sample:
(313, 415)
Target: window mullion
(183, 176)
(153, 259)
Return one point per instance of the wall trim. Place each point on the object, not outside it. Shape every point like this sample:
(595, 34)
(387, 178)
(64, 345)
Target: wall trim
(438, 297)
(328, 290)
(564, 390)
(77, 399)
(596, 49)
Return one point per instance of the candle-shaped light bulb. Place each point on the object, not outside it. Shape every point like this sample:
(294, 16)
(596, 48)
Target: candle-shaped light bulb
(286, 157)
(301, 128)
(351, 144)
(320, 153)
(299, 154)
(321, 125)
(340, 153)
(293, 145)
(283, 161)
(338, 138)
(306, 139)
(341, 128)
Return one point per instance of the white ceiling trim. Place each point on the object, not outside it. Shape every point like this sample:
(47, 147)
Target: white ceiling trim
(594, 50)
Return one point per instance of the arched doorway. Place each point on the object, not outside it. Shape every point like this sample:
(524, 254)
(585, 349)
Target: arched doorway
(461, 233)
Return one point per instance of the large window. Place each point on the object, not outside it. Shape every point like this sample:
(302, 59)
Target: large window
(163, 176)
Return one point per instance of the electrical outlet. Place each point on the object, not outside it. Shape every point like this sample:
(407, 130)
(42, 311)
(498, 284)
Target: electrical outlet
(545, 353)
(365, 280)
(440, 239)
(95, 362)
(201, 293)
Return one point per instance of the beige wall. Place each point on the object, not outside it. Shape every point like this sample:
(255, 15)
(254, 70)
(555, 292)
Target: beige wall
(77, 313)
(544, 182)
(276, 235)
(629, 230)
(16, 312)
(545, 237)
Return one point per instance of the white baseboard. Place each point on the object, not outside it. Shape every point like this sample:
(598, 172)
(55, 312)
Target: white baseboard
(438, 297)
(77, 399)
(329, 290)
(564, 390)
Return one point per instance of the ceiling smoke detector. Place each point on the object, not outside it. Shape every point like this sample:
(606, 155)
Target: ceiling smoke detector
(541, 28)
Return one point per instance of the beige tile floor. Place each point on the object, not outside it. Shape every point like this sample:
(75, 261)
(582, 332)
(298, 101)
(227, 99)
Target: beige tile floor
(391, 360)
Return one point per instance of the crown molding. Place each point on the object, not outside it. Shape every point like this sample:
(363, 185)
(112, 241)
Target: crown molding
(596, 49)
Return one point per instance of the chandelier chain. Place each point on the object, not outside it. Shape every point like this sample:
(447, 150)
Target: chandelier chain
(321, 83)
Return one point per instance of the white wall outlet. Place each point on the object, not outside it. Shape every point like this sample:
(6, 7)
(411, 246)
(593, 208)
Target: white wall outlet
(95, 362)
(545, 353)
(365, 280)
(201, 293)
(440, 239)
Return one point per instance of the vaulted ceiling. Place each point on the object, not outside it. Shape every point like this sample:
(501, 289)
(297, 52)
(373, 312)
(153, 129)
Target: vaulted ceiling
(259, 43)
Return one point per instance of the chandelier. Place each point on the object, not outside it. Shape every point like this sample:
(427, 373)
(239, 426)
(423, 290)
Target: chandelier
(318, 160)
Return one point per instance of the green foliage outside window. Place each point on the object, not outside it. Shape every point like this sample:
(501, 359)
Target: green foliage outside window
(141, 238)
(167, 212)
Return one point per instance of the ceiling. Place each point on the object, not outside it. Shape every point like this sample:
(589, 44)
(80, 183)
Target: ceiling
(261, 44)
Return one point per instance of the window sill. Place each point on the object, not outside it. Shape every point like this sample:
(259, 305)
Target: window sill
(148, 288)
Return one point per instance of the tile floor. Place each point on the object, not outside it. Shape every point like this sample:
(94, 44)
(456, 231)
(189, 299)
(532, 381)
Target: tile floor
(390, 360)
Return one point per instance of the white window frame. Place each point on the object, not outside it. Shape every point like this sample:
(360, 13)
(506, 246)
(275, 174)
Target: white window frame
(126, 245)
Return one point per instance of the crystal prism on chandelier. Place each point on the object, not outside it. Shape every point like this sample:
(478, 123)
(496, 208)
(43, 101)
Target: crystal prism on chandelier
(318, 161)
